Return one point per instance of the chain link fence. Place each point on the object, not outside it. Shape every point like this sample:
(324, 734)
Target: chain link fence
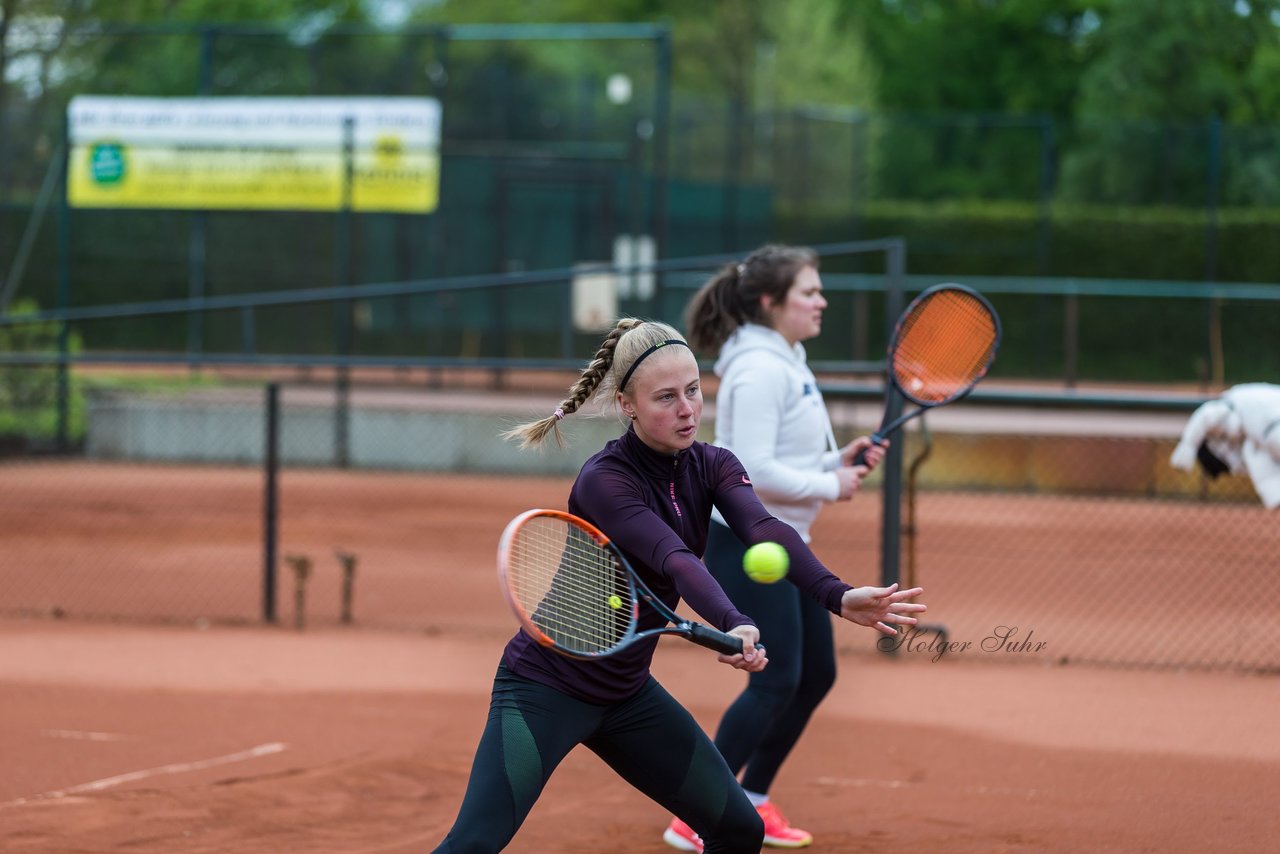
(170, 512)
(1039, 546)
(545, 163)
(1091, 549)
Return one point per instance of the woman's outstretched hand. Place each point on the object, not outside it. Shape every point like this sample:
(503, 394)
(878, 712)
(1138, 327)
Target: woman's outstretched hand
(881, 608)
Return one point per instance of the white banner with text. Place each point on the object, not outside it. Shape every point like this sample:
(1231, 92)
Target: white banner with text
(255, 153)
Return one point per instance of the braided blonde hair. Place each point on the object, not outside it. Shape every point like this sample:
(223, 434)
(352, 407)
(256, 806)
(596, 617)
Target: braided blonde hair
(629, 338)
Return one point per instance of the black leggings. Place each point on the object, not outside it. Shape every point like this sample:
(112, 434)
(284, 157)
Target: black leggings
(764, 723)
(649, 739)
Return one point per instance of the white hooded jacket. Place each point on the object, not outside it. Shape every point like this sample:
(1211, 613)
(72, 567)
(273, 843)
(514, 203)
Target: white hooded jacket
(770, 414)
(1242, 429)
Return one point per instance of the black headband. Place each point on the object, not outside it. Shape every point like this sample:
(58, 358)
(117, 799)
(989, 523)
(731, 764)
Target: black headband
(631, 370)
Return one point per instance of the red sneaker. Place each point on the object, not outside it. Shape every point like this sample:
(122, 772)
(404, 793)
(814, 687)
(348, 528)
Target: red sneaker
(681, 836)
(778, 832)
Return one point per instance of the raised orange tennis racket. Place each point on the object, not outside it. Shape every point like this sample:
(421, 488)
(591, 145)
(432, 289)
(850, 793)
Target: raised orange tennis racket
(943, 344)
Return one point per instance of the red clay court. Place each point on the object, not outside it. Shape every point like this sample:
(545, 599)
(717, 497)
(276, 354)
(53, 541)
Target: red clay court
(162, 738)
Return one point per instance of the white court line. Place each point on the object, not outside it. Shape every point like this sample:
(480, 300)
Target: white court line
(1001, 791)
(82, 736)
(175, 768)
(863, 783)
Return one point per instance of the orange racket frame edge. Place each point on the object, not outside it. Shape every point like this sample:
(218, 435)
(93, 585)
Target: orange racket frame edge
(888, 425)
(923, 297)
(504, 549)
(997, 334)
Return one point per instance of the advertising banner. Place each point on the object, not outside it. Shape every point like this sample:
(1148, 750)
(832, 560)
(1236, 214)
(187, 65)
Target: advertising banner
(255, 153)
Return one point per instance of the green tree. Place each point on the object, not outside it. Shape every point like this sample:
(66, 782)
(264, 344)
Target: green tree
(821, 56)
(1180, 62)
(7, 9)
(810, 50)
(976, 55)
(1161, 73)
(29, 393)
(58, 60)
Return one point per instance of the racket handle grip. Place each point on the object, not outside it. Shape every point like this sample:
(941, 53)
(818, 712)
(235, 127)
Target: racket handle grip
(860, 458)
(715, 639)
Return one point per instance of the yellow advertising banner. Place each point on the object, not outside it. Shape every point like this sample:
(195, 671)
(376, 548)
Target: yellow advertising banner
(255, 154)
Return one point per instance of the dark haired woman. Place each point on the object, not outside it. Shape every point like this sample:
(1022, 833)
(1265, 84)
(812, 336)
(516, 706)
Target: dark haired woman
(754, 316)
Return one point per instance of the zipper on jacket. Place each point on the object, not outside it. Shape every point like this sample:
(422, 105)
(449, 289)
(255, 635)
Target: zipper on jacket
(675, 464)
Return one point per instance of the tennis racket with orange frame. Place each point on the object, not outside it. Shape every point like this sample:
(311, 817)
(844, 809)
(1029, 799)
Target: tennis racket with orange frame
(943, 344)
(573, 591)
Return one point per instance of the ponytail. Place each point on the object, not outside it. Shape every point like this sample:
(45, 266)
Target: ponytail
(732, 296)
(715, 311)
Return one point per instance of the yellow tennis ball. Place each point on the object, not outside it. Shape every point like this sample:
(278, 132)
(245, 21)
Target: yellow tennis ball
(766, 563)
(615, 601)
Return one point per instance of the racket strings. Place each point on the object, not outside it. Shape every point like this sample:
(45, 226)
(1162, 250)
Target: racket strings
(570, 587)
(944, 347)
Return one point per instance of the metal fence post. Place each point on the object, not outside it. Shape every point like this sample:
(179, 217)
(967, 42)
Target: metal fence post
(270, 503)
(891, 516)
(198, 237)
(63, 441)
(345, 308)
(736, 126)
(1215, 373)
(661, 163)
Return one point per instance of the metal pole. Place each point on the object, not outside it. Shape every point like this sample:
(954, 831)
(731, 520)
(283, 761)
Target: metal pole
(198, 240)
(661, 144)
(197, 276)
(436, 227)
(891, 517)
(270, 504)
(64, 302)
(802, 189)
(1216, 372)
(52, 176)
(1070, 339)
(1044, 233)
(471, 282)
(859, 197)
(732, 177)
(506, 263)
(342, 391)
(635, 194)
